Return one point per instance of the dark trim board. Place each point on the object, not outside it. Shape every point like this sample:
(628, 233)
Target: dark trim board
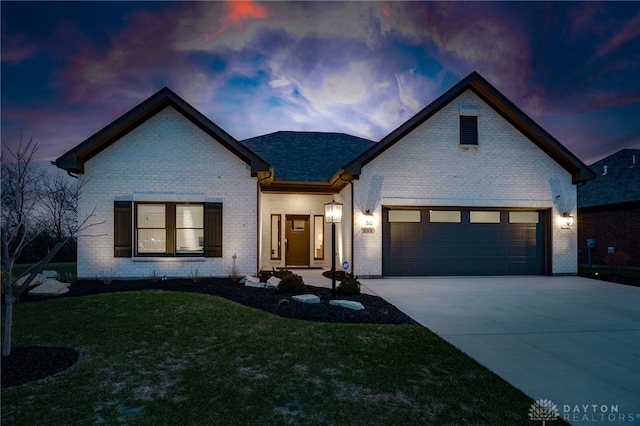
(425, 246)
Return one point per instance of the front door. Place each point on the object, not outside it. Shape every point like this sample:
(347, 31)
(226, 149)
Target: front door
(297, 240)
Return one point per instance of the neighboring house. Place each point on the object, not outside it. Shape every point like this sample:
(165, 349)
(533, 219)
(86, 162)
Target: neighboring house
(468, 186)
(609, 209)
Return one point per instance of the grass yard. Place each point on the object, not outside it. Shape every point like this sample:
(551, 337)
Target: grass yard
(173, 358)
(625, 272)
(61, 268)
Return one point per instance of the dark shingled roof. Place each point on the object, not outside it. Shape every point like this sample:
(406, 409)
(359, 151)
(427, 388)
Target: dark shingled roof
(307, 156)
(620, 184)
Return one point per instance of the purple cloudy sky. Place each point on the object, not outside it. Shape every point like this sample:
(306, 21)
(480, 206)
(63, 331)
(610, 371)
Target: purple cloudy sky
(363, 68)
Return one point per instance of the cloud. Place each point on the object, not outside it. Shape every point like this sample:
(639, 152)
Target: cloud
(479, 36)
(629, 31)
(355, 67)
(17, 48)
(236, 15)
(214, 24)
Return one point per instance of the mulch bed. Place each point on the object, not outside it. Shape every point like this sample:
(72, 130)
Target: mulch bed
(30, 363)
(377, 310)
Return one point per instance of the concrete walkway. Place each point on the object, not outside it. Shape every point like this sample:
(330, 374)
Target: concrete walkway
(572, 340)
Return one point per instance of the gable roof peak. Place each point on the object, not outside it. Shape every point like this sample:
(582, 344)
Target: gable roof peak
(503, 106)
(74, 159)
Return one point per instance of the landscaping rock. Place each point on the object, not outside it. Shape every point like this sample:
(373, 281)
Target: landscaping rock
(50, 287)
(251, 279)
(50, 274)
(272, 282)
(39, 279)
(306, 298)
(254, 284)
(349, 304)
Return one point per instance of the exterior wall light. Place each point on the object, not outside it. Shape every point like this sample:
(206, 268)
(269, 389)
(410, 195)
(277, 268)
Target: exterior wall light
(368, 219)
(333, 215)
(566, 221)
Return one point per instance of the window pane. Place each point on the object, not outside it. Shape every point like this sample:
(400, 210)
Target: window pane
(151, 241)
(297, 225)
(452, 216)
(189, 240)
(318, 237)
(189, 216)
(151, 216)
(275, 236)
(523, 217)
(404, 215)
(485, 217)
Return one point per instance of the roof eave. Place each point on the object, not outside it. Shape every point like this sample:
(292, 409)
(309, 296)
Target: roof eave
(332, 186)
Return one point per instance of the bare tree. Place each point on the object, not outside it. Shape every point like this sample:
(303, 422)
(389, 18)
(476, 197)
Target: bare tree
(25, 216)
(60, 205)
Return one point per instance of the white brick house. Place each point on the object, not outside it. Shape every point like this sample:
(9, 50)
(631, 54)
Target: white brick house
(470, 185)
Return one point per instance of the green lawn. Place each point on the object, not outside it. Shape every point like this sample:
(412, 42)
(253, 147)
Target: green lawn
(61, 268)
(180, 358)
(633, 273)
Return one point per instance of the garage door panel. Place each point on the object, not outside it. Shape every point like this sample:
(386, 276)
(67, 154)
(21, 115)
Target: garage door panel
(407, 250)
(486, 267)
(466, 247)
(407, 232)
(446, 232)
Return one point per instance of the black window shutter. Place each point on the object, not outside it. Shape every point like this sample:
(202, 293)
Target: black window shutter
(468, 130)
(170, 224)
(122, 219)
(213, 230)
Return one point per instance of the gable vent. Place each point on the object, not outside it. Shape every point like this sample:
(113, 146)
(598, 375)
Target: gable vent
(468, 130)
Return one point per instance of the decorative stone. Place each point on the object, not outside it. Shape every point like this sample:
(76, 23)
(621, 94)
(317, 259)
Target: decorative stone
(49, 274)
(37, 280)
(306, 298)
(249, 278)
(274, 280)
(254, 284)
(50, 287)
(349, 304)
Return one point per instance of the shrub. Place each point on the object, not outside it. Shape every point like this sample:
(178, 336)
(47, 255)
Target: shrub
(195, 276)
(69, 277)
(348, 286)
(291, 283)
(282, 273)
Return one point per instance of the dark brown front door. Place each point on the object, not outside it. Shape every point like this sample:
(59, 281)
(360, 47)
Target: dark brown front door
(297, 241)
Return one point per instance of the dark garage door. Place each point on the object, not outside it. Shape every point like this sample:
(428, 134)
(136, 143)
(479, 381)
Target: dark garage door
(463, 241)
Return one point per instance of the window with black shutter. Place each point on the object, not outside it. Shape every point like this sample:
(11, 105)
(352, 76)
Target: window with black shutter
(468, 130)
(122, 229)
(167, 229)
(213, 230)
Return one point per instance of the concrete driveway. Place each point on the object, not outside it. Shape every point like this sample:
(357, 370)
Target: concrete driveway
(572, 340)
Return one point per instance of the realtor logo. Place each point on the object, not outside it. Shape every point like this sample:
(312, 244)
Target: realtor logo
(543, 409)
